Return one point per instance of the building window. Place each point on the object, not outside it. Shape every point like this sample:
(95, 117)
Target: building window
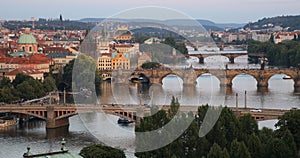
(23, 48)
(30, 49)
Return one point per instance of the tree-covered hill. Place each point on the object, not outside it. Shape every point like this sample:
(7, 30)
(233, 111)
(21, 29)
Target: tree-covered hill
(290, 22)
(44, 24)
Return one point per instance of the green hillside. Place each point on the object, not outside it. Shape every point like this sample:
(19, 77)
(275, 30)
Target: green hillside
(290, 22)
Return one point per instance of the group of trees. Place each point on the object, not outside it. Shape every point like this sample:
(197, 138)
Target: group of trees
(79, 74)
(178, 46)
(24, 87)
(284, 54)
(231, 136)
(101, 151)
(150, 65)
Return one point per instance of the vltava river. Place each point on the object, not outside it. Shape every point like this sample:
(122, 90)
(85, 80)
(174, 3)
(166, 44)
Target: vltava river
(93, 128)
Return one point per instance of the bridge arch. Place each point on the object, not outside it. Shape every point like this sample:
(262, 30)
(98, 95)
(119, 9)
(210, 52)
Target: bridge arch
(170, 74)
(280, 80)
(215, 57)
(207, 75)
(234, 74)
(244, 77)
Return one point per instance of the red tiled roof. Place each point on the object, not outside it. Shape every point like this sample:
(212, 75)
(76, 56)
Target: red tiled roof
(34, 59)
(106, 54)
(24, 71)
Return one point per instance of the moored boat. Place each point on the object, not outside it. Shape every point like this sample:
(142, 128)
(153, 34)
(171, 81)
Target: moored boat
(286, 77)
(124, 121)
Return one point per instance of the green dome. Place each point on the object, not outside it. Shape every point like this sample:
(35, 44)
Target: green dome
(27, 38)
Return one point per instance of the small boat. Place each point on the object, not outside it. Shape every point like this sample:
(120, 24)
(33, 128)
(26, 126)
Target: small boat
(124, 121)
(286, 77)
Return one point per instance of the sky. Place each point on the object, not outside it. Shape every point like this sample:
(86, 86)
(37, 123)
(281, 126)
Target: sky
(221, 11)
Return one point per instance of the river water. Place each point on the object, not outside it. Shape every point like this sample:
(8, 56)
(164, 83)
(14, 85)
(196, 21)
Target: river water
(86, 129)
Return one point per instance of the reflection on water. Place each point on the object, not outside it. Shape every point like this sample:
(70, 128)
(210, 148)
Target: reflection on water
(35, 135)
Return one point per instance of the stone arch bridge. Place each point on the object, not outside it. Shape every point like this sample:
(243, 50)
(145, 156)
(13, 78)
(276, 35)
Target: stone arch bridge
(58, 115)
(189, 76)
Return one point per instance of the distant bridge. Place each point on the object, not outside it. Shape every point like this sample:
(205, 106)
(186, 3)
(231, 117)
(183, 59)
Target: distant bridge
(57, 115)
(230, 55)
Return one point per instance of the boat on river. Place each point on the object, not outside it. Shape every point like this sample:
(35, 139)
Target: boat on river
(124, 121)
(286, 77)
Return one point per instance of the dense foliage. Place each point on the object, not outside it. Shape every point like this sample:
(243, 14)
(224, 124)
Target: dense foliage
(150, 65)
(231, 136)
(101, 151)
(284, 54)
(24, 88)
(180, 47)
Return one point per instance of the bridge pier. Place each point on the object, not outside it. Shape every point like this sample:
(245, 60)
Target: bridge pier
(52, 123)
(156, 80)
(52, 133)
(201, 60)
(297, 85)
(262, 85)
(231, 59)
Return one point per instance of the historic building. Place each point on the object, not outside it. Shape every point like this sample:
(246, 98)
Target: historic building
(121, 61)
(104, 62)
(61, 59)
(27, 43)
(36, 74)
(123, 35)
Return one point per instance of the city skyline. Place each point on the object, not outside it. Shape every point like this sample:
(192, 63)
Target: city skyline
(215, 10)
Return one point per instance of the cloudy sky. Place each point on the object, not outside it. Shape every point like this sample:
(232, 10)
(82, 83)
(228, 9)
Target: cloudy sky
(240, 11)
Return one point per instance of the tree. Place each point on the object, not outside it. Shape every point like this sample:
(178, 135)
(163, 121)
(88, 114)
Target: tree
(248, 124)
(170, 41)
(216, 152)
(20, 78)
(238, 150)
(286, 136)
(173, 107)
(7, 95)
(150, 65)
(276, 148)
(291, 121)
(5, 82)
(254, 145)
(49, 84)
(101, 151)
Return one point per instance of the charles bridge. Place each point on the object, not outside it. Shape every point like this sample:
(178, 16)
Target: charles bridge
(57, 116)
(190, 75)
